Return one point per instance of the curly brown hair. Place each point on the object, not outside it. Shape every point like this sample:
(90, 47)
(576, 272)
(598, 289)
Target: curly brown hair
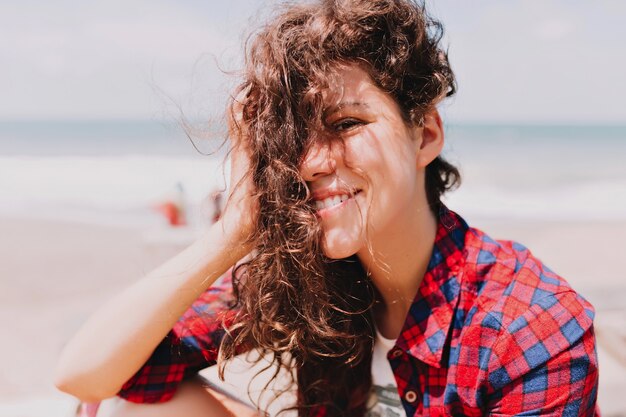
(310, 313)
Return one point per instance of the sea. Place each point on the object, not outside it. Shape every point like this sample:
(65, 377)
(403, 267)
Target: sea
(117, 172)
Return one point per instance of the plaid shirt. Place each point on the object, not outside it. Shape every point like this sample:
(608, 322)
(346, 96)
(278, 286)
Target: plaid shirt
(491, 331)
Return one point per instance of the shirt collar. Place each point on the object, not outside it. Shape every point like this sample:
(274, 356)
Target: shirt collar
(428, 323)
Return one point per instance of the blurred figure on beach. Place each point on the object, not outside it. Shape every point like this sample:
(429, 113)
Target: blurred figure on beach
(173, 208)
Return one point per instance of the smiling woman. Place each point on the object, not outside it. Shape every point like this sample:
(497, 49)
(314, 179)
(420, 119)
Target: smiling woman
(356, 276)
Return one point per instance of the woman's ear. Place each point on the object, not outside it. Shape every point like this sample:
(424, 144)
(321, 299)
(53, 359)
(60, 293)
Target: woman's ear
(431, 144)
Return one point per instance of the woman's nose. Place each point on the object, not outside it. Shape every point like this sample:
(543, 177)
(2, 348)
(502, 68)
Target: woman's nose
(318, 161)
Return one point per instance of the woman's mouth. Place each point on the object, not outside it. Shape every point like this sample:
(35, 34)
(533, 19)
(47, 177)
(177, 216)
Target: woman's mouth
(334, 202)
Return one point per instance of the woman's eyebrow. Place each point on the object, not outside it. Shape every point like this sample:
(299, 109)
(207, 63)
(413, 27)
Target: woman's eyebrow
(346, 104)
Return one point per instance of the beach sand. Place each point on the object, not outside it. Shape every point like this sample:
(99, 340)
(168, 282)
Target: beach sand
(54, 274)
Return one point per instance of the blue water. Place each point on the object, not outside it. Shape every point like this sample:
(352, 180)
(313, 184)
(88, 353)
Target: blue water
(106, 138)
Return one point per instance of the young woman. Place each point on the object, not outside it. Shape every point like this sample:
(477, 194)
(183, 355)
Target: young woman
(378, 296)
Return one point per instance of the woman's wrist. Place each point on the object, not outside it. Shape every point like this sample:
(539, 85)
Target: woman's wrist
(227, 242)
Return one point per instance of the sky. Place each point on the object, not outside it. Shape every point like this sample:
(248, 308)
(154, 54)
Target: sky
(520, 61)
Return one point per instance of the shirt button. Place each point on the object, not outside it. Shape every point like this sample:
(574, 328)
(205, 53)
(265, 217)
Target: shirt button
(410, 396)
(396, 353)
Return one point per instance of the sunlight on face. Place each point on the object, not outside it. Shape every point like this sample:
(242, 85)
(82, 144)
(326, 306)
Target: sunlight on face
(364, 180)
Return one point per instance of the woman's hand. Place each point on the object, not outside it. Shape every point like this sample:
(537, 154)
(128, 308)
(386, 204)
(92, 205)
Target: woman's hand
(119, 338)
(240, 214)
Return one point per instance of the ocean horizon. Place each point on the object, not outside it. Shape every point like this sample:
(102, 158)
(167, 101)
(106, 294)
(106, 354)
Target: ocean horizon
(119, 169)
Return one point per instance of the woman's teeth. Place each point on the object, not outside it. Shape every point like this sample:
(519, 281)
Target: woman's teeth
(331, 201)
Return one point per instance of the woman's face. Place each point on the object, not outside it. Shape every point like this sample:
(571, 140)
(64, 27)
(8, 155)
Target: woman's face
(369, 174)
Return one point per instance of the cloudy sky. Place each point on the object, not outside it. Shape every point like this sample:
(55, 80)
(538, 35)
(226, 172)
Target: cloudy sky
(516, 60)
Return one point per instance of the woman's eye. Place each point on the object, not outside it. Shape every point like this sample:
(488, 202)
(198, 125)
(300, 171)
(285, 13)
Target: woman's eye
(346, 124)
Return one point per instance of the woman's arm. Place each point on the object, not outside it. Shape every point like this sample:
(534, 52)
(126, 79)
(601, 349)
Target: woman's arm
(192, 344)
(120, 337)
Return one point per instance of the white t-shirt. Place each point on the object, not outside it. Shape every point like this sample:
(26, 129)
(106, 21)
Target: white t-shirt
(384, 400)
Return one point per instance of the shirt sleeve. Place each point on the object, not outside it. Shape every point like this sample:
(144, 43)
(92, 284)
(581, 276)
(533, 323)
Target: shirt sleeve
(545, 363)
(190, 346)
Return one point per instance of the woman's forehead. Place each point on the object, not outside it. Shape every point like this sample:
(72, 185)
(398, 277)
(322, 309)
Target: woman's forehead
(350, 87)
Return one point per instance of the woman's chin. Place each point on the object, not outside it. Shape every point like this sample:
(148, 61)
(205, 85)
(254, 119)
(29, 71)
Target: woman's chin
(339, 247)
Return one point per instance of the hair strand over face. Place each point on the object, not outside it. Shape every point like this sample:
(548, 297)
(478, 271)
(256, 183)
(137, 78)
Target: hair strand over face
(313, 314)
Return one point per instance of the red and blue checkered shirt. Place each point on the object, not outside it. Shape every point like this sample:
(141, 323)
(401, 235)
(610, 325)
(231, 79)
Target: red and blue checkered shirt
(492, 331)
